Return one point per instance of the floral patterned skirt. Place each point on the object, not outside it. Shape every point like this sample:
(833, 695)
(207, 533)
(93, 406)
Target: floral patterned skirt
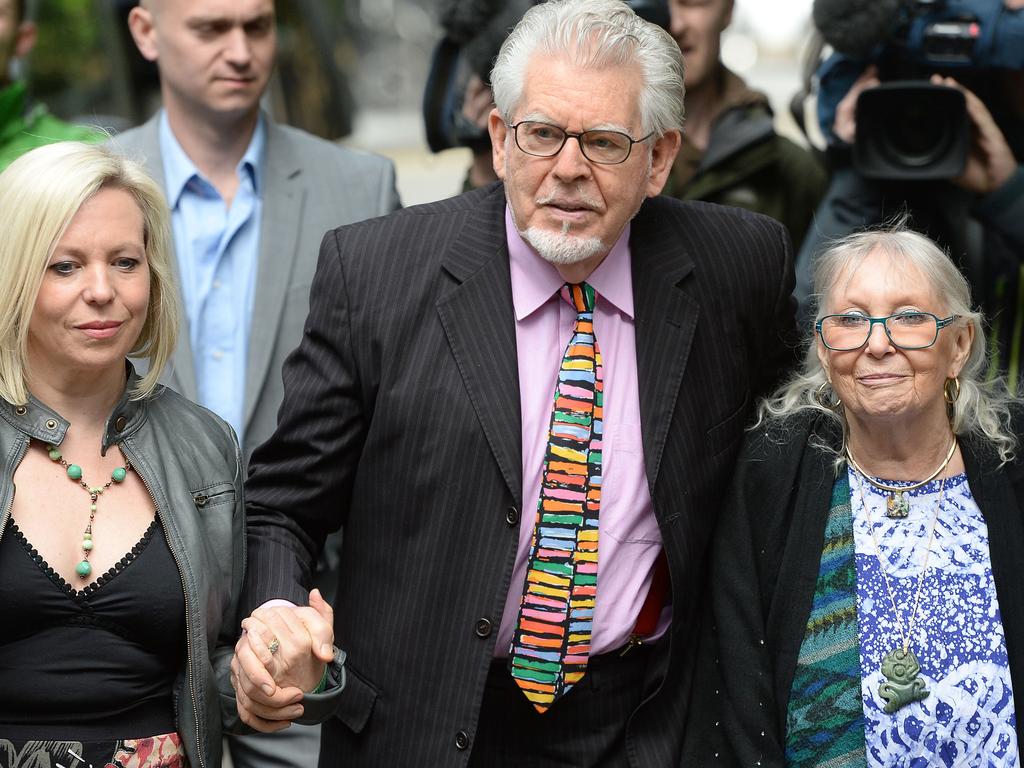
(164, 751)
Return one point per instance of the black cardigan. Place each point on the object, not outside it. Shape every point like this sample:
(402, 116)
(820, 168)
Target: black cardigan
(764, 567)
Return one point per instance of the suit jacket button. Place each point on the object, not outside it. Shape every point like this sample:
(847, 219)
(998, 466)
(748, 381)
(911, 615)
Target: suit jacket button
(512, 516)
(461, 740)
(483, 627)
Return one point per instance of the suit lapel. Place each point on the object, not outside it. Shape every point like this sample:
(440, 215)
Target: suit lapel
(479, 321)
(283, 198)
(665, 322)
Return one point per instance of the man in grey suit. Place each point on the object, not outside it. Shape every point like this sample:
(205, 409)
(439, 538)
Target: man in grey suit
(523, 405)
(250, 202)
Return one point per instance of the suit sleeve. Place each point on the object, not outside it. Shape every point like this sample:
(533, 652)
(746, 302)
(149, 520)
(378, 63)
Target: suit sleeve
(300, 481)
(734, 713)
(781, 342)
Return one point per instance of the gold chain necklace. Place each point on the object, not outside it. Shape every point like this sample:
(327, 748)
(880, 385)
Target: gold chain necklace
(896, 505)
(84, 567)
(900, 666)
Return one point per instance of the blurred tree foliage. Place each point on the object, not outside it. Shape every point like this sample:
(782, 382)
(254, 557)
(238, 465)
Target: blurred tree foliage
(70, 68)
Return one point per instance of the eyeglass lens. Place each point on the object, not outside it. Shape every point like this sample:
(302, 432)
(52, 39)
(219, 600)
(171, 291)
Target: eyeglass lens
(600, 146)
(909, 330)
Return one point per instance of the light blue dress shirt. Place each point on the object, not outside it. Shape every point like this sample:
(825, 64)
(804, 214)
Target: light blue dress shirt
(217, 249)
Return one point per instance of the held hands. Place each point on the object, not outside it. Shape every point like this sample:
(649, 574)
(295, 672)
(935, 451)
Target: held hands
(281, 655)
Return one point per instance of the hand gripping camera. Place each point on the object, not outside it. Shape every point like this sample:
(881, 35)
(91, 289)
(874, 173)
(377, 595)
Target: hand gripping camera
(908, 128)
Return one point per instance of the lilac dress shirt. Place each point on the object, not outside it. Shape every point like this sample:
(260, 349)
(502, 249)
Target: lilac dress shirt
(628, 539)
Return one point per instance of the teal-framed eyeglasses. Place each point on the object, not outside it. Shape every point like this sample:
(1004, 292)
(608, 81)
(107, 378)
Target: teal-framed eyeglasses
(599, 146)
(906, 330)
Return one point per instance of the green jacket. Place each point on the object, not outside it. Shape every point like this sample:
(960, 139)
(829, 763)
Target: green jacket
(748, 165)
(21, 131)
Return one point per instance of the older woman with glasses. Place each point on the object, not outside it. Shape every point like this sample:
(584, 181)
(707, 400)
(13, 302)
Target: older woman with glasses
(866, 590)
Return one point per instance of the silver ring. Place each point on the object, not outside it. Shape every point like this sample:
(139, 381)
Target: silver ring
(273, 646)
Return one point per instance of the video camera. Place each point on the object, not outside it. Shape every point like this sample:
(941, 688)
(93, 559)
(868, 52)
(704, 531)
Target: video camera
(470, 49)
(908, 128)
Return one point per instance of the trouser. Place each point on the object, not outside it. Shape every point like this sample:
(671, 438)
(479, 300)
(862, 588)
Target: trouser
(585, 728)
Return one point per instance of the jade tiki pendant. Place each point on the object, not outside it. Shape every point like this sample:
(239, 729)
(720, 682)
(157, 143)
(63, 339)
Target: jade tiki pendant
(904, 684)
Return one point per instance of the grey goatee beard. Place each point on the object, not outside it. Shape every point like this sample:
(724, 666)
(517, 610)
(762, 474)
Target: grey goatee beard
(562, 248)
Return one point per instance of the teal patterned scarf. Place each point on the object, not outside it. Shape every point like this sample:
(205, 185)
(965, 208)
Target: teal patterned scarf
(825, 719)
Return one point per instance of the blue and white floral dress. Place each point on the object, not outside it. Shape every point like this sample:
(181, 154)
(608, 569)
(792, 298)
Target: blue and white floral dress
(968, 717)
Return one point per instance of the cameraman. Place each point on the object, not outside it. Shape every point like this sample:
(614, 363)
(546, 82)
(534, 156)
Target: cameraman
(978, 215)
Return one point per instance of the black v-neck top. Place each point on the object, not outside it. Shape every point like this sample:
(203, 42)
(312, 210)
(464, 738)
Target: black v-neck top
(92, 664)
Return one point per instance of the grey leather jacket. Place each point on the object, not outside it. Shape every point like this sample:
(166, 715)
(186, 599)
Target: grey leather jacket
(189, 460)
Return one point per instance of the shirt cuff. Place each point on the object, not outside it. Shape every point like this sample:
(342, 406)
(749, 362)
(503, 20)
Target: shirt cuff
(277, 602)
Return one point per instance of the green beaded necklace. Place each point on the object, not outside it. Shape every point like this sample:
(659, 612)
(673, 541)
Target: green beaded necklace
(83, 569)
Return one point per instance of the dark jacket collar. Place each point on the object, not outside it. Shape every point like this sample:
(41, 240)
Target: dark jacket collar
(39, 422)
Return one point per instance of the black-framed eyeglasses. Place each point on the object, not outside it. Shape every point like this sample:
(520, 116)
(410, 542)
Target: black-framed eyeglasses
(906, 330)
(599, 146)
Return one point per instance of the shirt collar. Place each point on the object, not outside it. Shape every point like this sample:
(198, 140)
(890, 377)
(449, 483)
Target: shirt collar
(535, 280)
(179, 168)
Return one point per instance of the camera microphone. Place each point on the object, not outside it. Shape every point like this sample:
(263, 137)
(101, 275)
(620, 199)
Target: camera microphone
(856, 27)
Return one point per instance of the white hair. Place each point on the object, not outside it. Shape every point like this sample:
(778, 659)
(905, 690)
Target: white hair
(983, 407)
(595, 34)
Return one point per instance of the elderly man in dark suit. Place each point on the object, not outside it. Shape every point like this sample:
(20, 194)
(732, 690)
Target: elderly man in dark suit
(523, 406)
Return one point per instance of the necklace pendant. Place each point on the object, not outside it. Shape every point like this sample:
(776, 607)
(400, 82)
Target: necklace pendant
(897, 507)
(904, 684)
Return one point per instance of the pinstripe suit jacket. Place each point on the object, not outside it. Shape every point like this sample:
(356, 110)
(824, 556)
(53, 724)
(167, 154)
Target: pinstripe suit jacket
(401, 423)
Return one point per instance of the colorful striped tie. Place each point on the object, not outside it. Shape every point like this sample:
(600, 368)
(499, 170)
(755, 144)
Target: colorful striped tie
(551, 642)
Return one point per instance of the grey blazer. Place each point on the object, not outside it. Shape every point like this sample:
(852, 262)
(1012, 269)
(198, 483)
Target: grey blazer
(311, 186)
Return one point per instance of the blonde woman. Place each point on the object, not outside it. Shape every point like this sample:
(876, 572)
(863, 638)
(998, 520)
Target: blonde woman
(122, 530)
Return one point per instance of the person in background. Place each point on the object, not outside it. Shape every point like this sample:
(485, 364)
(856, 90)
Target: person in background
(121, 554)
(250, 201)
(865, 574)
(730, 152)
(521, 404)
(457, 98)
(23, 126)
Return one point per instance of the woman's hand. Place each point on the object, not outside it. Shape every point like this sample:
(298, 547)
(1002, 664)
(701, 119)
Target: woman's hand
(280, 656)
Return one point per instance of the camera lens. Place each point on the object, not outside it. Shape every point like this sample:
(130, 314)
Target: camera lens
(915, 136)
(911, 130)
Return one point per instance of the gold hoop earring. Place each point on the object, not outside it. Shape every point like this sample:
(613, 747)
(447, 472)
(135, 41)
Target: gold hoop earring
(822, 397)
(951, 394)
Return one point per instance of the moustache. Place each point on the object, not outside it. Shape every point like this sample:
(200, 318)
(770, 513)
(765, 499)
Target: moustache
(578, 201)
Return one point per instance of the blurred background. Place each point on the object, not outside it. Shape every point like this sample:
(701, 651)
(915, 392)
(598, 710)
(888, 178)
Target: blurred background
(354, 70)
